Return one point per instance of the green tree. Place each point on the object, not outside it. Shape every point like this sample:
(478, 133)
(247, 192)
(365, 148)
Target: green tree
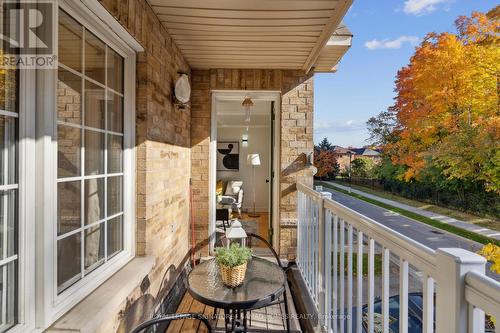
(324, 145)
(382, 128)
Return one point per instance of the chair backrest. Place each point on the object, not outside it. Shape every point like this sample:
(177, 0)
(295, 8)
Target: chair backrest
(222, 242)
(175, 316)
(267, 245)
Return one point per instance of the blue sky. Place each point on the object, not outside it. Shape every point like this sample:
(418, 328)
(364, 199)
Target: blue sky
(385, 35)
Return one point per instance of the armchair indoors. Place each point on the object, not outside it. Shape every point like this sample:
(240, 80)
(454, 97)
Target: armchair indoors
(230, 196)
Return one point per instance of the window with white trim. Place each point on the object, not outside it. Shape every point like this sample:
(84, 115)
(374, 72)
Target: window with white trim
(9, 194)
(90, 138)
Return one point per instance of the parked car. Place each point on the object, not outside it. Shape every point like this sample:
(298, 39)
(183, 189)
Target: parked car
(415, 305)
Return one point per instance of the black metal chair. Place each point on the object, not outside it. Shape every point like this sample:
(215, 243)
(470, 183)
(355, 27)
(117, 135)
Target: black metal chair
(175, 316)
(284, 301)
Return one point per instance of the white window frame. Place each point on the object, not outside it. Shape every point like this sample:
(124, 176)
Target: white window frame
(26, 202)
(49, 304)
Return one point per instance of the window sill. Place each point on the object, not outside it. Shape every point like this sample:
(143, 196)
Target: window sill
(105, 302)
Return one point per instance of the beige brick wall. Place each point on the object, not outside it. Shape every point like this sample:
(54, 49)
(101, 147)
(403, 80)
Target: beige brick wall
(163, 159)
(296, 133)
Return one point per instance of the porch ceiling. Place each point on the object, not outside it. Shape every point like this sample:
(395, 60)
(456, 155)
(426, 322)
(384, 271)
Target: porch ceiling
(287, 34)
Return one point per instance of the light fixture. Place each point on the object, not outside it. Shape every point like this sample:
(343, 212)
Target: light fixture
(244, 140)
(182, 89)
(247, 104)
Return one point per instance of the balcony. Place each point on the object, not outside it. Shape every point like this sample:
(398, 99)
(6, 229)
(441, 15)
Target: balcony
(352, 274)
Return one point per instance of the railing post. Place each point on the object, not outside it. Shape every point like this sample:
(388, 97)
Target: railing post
(451, 307)
(321, 258)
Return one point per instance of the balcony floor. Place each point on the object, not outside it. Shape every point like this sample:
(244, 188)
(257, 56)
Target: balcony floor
(270, 319)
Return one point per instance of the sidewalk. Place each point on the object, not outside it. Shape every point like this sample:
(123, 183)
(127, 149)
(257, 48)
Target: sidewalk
(441, 218)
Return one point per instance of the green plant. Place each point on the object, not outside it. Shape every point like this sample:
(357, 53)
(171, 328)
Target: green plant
(233, 256)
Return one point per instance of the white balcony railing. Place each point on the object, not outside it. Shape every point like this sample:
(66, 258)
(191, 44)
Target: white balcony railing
(353, 264)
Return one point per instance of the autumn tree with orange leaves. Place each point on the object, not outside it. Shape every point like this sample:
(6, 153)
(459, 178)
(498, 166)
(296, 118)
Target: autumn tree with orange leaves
(326, 163)
(447, 105)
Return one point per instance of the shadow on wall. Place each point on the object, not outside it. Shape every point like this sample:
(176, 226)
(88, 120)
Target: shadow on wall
(301, 163)
(166, 300)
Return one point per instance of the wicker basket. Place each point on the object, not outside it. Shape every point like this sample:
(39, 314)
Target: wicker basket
(233, 276)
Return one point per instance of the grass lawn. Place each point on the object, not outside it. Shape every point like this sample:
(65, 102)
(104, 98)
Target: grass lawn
(440, 225)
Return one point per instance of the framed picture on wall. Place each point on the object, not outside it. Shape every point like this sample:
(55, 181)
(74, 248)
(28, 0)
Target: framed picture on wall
(228, 156)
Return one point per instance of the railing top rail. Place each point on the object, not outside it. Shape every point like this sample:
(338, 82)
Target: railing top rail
(483, 292)
(309, 191)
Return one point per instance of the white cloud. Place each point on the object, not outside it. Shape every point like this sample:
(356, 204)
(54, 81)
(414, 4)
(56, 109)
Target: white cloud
(348, 125)
(418, 7)
(397, 43)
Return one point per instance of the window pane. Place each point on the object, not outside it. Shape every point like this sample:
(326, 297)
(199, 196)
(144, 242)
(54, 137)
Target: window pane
(68, 151)
(8, 296)
(8, 223)
(8, 90)
(70, 42)
(69, 97)
(115, 71)
(68, 207)
(94, 200)
(68, 261)
(94, 153)
(94, 57)
(94, 105)
(115, 195)
(94, 247)
(115, 236)
(115, 149)
(8, 145)
(115, 113)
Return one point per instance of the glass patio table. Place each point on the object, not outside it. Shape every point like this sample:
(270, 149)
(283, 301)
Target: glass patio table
(264, 283)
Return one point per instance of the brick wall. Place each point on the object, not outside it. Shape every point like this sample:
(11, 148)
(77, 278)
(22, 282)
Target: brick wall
(163, 159)
(296, 138)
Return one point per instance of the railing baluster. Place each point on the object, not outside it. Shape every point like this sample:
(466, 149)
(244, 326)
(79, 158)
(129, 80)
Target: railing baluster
(371, 283)
(299, 225)
(328, 270)
(403, 296)
(315, 252)
(342, 275)
(308, 235)
(335, 273)
(428, 305)
(314, 244)
(349, 278)
(386, 257)
(476, 319)
(359, 288)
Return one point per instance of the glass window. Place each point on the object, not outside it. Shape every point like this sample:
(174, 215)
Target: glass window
(90, 154)
(95, 57)
(70, 42)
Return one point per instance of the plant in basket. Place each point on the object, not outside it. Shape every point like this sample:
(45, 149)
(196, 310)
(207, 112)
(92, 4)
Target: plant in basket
(232, 263)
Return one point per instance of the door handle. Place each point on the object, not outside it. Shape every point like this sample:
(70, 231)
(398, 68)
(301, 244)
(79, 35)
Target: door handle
(267, 180)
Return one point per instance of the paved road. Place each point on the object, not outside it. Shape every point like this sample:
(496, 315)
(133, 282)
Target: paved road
(445, 219)
(423, 233)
